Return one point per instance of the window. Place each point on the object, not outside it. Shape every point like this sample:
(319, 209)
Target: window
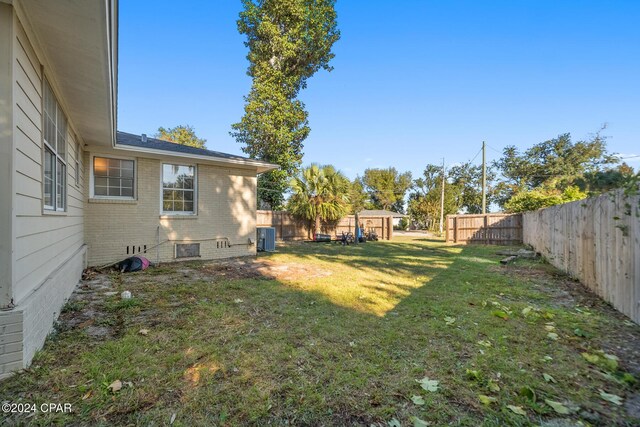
(178, 188)
(55, 144)
(113, 177)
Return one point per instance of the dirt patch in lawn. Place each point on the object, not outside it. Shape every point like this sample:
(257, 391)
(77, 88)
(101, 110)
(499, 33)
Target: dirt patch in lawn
(96, 304)
(241, 268)
(622, 340)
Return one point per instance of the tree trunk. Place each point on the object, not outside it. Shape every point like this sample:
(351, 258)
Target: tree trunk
(317, 226)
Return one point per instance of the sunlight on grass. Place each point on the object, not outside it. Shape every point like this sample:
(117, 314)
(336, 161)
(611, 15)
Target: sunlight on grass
(353, 284)
(332, 335)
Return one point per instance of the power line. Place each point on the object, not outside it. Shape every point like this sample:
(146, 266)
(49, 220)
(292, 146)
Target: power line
(497, 151)
(474, 157)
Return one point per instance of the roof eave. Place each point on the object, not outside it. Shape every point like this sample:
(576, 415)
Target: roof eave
(260, 166)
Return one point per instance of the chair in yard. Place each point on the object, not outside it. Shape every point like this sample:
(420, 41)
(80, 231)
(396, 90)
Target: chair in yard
(346, 238)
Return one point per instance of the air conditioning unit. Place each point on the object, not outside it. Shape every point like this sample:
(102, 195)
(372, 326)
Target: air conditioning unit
(266, 239)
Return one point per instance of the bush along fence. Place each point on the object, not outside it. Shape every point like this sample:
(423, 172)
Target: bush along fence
(289, 228)
(596, 241)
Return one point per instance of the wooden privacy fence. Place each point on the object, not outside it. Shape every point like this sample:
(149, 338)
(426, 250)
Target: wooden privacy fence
(381, 225)
(289, 228)
(597, 241)
(488, 229)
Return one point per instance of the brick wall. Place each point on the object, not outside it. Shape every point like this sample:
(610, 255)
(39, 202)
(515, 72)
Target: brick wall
(223, 224)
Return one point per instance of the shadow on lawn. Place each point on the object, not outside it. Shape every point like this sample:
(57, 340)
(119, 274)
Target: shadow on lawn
(260, 351)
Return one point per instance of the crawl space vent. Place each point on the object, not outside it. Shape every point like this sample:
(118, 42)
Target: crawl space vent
(187, 250)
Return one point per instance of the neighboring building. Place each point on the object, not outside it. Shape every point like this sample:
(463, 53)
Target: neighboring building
(73, 191)
(383, 213)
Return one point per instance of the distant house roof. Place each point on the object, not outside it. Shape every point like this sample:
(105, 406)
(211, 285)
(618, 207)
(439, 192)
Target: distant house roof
(381, 212)
(126, 140)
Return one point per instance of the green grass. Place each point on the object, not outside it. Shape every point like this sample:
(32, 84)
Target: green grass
(340, 337)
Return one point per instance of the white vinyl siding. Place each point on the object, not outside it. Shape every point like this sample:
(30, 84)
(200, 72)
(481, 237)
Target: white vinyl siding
(55, 148)
(113, 177)
(77, 157)
(178, 189)
(44, 240)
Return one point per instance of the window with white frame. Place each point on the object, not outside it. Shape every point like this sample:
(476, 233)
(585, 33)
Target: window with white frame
(55, 147)
(178, 189)
(113, 177)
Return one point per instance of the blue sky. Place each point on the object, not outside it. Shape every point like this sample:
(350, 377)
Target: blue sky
(414, 81)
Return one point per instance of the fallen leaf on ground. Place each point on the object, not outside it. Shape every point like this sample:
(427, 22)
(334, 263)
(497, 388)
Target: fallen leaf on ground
(501, 314)
(144, 332)
(115, 386)
(418, 400)
(613, 398)
(417, 422)
(394, 423)
(428, 385)
(486, 400)
(557, 406)
(517, 410)
(473, 374)
(548, 378)
(87, 395)
(450, 320)
(493, 386)
(552, 336)
(238, 301)
(173, 418)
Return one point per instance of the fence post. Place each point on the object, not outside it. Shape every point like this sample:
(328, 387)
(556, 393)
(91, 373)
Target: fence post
(486, 229)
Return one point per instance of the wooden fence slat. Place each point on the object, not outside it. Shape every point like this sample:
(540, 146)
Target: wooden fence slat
(289, 228)
(596, 241)
(490, 229)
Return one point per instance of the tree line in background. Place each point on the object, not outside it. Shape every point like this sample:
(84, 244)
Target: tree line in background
(549, 173)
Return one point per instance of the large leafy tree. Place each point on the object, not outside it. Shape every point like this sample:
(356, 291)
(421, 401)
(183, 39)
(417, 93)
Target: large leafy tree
(468, 179)
(387, 187)
(552, 165)
(424, 200)
(606, 179)
(319, 193)
(288, 41)
(181, 134)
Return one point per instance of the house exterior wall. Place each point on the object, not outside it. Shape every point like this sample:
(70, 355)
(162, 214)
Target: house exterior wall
(6, 154)
(223, 224)
(48, 250)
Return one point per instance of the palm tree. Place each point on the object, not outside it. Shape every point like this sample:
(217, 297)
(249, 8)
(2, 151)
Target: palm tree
(320, 193)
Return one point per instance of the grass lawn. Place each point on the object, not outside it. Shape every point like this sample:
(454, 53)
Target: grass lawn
(321, 334)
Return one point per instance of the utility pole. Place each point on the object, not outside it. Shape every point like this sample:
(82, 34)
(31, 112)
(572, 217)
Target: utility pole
(442, 199)
(484, 178)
